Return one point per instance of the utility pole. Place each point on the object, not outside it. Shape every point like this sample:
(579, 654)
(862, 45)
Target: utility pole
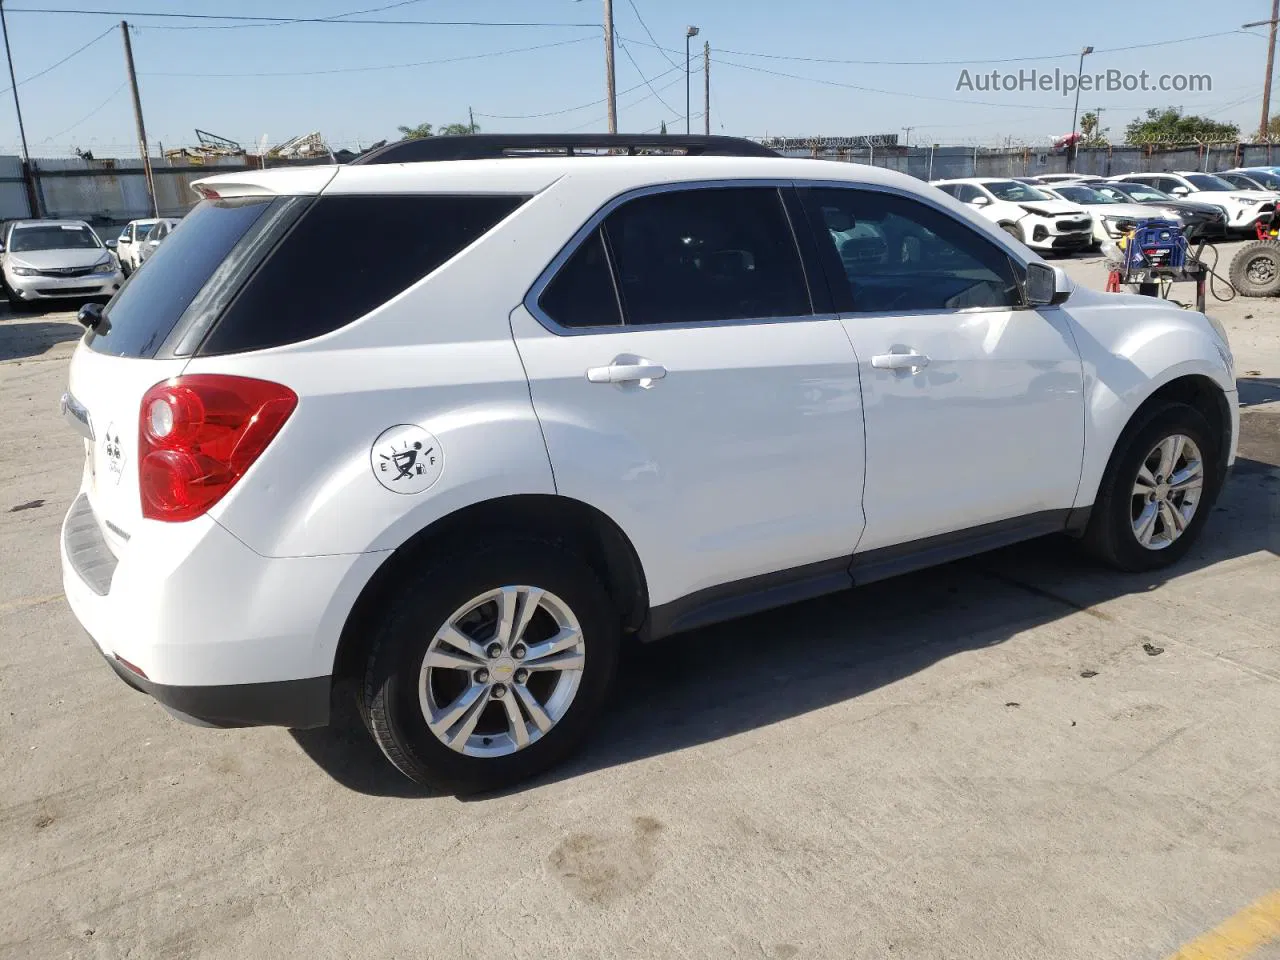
(137, 113)
(906, 131)
(471, 121)
(689, 34)
(611, 88)
(706, 87)
(1271, 60)
(1074, 148)
(26, 157)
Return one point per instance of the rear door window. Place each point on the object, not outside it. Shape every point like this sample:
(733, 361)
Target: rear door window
(583, 293)
(346, 256)
(700, 255)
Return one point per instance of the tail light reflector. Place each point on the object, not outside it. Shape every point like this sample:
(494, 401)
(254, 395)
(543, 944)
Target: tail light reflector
(197, 435)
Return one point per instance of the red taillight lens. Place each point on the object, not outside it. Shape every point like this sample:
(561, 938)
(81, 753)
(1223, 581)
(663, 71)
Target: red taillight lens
(197, 435)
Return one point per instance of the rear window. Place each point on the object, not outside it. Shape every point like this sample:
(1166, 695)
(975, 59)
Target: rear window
(149, 305)
(346, 256)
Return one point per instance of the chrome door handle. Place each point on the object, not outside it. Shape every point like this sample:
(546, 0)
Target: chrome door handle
(627, 372)
(900, 361)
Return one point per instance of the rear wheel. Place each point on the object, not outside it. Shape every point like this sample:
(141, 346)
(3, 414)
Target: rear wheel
(1158, 491)
(490, 667)
(1255, 269)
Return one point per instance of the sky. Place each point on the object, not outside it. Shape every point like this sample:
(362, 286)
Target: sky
(798, 68)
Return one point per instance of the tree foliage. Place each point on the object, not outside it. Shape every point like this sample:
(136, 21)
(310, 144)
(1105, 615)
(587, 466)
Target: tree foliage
(1170, 125)
(1273, 127)
(423, 130)
(1090, 133)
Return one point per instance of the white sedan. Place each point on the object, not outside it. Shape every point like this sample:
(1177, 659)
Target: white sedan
(1025, 212)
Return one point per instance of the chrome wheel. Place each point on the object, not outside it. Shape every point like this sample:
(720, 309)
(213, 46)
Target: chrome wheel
(502, 671)
(1166, 492)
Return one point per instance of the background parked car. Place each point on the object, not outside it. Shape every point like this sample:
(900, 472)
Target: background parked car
(44, 260)
(155, 237)
(1252, 178)
(129, 244)
(1200, 221)
(1023, 211)
(1111, 217)
(1244, 208)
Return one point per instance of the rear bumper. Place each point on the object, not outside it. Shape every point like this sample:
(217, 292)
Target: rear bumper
(217, 633)
(283, 703)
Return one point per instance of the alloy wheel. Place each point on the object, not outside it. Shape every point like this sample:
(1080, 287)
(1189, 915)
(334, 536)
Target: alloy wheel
(502, 671)
(1167, 492)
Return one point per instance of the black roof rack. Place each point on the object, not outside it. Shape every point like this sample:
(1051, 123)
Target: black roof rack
(488, 146)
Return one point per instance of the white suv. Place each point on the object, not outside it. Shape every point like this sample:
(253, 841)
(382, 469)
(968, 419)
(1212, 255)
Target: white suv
(1041, 221)
(554, 401)
(1244, 208)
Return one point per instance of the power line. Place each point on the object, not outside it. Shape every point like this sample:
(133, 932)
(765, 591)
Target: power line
(627, 51)
(73, 53)
(649, 34)
(943, 63)
(282, 20)
(633, 103)
(383, 66)
(90, 114)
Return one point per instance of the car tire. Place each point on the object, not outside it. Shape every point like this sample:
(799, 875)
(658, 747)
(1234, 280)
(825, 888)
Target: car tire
(1255, 269)
(412, 673)
(1115, 532)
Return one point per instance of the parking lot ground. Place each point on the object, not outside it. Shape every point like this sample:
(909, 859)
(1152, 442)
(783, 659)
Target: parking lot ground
(1015, 756)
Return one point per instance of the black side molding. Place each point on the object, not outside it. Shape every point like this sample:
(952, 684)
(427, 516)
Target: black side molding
(284, 703)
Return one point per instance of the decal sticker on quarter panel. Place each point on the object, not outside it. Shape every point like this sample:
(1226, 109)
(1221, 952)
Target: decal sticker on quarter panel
(406, 459)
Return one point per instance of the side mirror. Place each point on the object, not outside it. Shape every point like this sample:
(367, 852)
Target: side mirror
(979, 201)
(1046, 285)
(90, 316)
(112, 244)
(1179, 191)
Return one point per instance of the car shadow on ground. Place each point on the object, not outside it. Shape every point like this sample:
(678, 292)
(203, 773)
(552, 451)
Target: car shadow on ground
(723, 680)
(24, 336)
(1255, 391)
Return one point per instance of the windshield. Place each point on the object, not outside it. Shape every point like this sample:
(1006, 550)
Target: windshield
(1085, 195)
(1015, 192)
(1203, 181)
(30, 239)
(143, 230)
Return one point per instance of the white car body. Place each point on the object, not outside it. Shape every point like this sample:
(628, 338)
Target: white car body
(1042, 224)
(733, 465)
(1111, 219)
(1244, 208)
(129, 244)
(32, 276)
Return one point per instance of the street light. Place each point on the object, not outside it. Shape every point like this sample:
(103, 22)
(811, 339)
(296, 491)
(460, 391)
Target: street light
(689, 34)
(1071, 167)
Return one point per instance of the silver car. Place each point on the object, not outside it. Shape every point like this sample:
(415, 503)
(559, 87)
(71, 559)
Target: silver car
(45, 260)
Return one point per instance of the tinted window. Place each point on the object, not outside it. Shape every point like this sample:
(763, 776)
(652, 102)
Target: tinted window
(1205, 181)
(305, 289)
(582, 293)
(951, 188)
(887, 252)
(150, 303)
(687, 256)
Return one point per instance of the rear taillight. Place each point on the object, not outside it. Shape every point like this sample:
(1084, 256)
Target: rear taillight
(197, 435)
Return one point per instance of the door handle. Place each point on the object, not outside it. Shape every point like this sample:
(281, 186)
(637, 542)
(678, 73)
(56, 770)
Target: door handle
(899, 361)
(637, 370)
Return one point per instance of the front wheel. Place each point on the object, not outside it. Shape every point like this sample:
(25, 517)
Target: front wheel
(1157, 493)
(490, 667)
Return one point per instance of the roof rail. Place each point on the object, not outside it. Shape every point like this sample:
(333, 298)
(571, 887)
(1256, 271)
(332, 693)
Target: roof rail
(488, 146)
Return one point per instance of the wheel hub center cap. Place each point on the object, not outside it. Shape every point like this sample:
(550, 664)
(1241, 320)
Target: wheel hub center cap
(501, 671)
(1162, 491)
